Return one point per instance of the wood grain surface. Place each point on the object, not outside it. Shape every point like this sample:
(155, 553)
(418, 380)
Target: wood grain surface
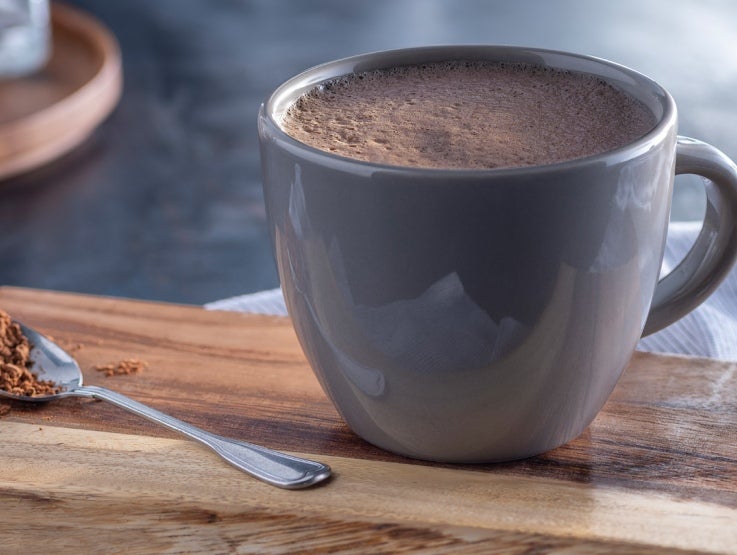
(655, 472)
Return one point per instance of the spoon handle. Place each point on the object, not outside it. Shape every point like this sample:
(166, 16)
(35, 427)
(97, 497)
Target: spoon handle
(278, 469)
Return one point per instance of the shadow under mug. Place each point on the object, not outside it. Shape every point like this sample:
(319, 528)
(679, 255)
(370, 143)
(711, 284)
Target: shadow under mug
(485, 315)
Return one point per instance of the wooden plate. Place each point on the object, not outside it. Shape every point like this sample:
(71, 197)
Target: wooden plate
(44, 115)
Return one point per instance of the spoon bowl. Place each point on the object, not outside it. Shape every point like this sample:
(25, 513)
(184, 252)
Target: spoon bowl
(52, 363)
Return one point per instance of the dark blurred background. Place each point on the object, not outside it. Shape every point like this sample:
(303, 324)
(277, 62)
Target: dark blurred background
(164, 201)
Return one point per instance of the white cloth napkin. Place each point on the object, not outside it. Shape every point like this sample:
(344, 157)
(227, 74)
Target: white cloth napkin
(709, 331)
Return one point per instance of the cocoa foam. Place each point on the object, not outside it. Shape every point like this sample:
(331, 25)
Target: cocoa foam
(466, 115)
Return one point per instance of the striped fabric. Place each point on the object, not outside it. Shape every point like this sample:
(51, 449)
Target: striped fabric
(269, 302)
(709, 331)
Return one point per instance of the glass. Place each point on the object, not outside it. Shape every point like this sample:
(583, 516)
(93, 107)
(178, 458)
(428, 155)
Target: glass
(24, 36)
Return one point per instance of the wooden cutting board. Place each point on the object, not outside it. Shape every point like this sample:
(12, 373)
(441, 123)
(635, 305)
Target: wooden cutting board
(656, 472)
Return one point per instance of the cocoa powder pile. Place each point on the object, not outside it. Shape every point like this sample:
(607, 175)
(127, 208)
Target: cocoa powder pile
(15, 374)
(124, 367)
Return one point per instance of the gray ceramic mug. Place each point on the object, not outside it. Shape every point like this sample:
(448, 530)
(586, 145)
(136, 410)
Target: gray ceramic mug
(485, 315)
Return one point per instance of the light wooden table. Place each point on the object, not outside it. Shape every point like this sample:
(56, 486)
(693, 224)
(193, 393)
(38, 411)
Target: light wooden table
(656, 472)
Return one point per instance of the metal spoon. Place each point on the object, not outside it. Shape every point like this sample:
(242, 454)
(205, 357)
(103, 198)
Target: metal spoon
(278, 469)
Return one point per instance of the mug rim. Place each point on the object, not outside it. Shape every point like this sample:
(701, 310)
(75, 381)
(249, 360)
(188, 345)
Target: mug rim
(313, 76)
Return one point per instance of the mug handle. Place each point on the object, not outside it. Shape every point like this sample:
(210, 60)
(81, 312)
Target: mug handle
(715, 250)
